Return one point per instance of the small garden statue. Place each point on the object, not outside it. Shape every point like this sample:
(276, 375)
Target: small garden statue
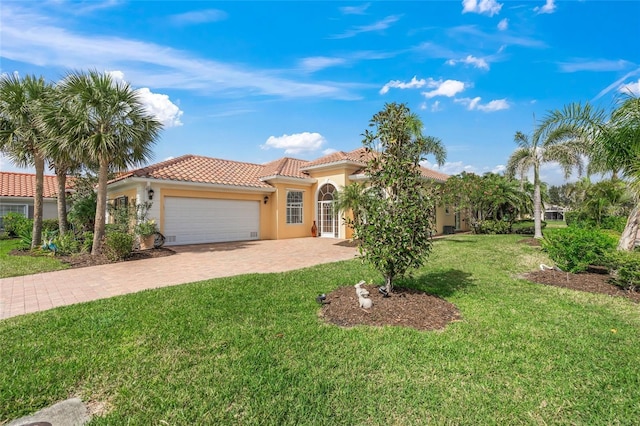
(363, 296)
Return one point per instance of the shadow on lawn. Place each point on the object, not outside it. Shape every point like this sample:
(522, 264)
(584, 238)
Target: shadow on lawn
(441, 283)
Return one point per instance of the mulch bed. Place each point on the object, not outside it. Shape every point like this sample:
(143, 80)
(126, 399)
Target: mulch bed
(84, 260)
(590, 282)
(404, 307)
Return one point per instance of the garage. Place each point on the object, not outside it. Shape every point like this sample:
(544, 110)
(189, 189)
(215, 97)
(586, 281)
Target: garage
(203, 220)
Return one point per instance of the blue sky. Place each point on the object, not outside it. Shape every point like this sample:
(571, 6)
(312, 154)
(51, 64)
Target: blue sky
(255, 81)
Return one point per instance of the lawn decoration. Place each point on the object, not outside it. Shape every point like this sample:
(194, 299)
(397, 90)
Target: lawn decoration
(363, 296)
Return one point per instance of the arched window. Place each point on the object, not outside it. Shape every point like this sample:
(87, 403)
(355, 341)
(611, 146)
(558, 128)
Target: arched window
(327, 217)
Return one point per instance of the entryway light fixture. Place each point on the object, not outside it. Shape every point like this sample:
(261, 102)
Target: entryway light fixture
(150, 193)
(266, 198)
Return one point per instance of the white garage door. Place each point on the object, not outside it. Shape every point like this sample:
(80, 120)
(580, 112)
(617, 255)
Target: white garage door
(201, 220)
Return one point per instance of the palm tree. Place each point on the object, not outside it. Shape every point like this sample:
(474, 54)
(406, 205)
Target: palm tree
(20, 137)
(614, 145)
(350, 198)
(562, 145)
(61, 159)
(104, 122)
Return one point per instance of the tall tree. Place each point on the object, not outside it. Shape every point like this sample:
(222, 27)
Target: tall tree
(562, 145)
(397, 215)
(20, 136)
(61, 159)
(104, 122)
(614, 145)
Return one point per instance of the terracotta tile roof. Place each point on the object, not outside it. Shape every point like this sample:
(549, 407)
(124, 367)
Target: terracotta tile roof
(286, 166)
(357, 156)
(198, 169)
(24, 185)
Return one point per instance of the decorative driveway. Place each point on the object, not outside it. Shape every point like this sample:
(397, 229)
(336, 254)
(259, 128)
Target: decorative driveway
(32, 293)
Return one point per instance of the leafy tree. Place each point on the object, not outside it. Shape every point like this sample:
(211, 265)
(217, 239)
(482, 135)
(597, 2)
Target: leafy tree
(614, 145)
(464, 193)
(397, 220)
(562, 145)
(103, 122)
(20, 136)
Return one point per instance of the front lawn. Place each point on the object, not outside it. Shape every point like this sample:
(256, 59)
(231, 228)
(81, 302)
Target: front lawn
(13, 266)
(252, 350)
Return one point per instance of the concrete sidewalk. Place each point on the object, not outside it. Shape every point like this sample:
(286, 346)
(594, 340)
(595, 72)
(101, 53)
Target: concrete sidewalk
(32, 293)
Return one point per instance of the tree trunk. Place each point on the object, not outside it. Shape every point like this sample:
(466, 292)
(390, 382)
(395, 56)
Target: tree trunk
(628, 237)
(537, 206)
(36, 238)
(101, 207)
(63, 225)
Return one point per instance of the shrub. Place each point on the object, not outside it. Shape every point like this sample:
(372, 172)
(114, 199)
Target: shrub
(146, 228)
(67, 243)
(616, 223)
(493, 227)
(574, 249)
(87, 241)
(15, 223)
(117, 245)
(624, 267)
(526, 226)
(50, 225)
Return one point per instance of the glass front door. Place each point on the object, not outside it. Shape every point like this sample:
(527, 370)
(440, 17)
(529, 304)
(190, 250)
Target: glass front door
(327, 217)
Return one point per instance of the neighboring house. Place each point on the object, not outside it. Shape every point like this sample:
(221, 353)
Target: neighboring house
(201, 200)
(554, 212)
(17, 191)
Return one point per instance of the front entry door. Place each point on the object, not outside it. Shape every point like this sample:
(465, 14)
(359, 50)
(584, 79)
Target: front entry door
(327, 217)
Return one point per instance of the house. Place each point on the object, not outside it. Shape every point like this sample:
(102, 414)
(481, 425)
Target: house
(17, 191)
(202, 200)
(554, 212)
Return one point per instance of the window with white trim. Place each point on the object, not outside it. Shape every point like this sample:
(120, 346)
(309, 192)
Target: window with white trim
(294, 207)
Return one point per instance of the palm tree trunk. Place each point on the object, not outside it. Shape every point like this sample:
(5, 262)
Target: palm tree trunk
(63, 225)
(537, 205)
(101, 207)
(36, 238)
(628, 238)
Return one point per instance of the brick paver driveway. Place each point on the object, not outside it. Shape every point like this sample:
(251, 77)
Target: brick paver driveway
(31, 293)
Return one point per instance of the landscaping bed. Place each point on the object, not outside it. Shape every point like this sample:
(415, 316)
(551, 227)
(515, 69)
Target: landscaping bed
(86, 259)
(404, 307)
(587, 281)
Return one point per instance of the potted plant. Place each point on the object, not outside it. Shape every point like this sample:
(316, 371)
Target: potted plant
(146, 230)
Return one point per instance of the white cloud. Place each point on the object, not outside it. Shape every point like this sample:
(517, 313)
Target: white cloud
(596, 65)
(503, 25)
(33, 39)
(483, 7)
(376, 26)
(435, 107)
(499, 169)
(160, 107)
(549, 7)
(630, 88)
(156, 104)
(397, 84)
(474, 104)
(470, 60)
(296, 143)
(355, 10)
(450, 168)
(199, 17)
(316, 63)
(446, 88)
(329, 151)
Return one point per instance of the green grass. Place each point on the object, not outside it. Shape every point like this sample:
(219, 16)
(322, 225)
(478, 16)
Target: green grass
(13, 266)
(556, 224)
(251, 350)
